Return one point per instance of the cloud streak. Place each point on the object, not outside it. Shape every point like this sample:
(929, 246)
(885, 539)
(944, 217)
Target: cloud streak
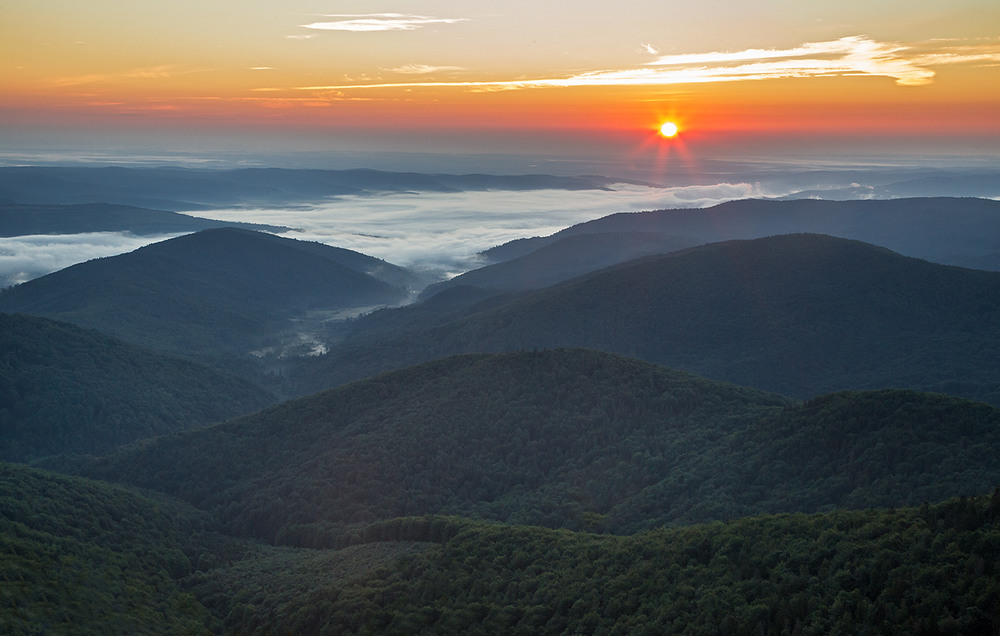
(378, 22)
(848, 56)
(165, 71)
(422, 69)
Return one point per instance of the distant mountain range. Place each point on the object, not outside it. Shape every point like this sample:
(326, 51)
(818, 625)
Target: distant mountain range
(66, 390)
(194, 189)
(172, 188)
(216, 293)
(21, 220)
(951, 231)
(859, 184)
(562, 259)
(800, 315)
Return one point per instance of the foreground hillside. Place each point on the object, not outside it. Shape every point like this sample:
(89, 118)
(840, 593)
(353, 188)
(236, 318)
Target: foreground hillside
(932, 570)
(799, 315)
(83, 557)
(221, 292)
(567, 438)
(66, 390)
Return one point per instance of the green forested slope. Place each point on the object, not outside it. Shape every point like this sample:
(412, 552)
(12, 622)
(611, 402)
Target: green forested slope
(566, 438)
(81, 557)
(929, 570)
(68, 390)
(550, 438)
(800, 315)
(843, 450)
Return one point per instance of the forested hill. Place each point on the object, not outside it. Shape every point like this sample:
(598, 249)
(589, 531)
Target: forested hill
(66, 390)
(565, 438)
(84, 557)
(952, 231)
(930, 570)
(799, 315)
(216, 292)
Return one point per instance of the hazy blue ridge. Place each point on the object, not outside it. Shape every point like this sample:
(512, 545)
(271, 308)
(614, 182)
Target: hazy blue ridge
(193, 189)
(800, 315)
(952, 231)
(21, 220)
(210, 295)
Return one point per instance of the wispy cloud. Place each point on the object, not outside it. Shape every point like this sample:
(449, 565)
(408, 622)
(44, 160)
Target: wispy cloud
(153, 72)
(908, 65)
(649, 48)
(378, 22)
(422, 69)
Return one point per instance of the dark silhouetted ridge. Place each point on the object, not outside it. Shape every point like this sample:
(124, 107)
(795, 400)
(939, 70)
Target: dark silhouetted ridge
(800, 315)
(216, 292)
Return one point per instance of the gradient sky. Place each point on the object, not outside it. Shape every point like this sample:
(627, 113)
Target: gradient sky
(557, 78)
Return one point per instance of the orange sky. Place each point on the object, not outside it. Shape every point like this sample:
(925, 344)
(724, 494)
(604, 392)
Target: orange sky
(561, 76)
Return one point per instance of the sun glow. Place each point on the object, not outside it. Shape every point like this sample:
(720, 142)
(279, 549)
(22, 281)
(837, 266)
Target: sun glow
(669, 129)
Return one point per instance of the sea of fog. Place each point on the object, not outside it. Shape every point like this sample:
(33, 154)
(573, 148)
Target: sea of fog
(438, 233)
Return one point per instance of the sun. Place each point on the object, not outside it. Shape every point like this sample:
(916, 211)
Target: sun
(669, 129)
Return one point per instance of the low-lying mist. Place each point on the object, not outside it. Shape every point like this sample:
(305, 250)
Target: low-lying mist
(25, 257)
(444, 232)
(438, 233)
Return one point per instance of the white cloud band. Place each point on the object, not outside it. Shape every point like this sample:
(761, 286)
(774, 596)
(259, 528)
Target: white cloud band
(378, 22)
(848, 56)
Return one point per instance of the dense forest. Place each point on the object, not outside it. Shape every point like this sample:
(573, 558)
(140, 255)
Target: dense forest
(67, 390)
(85, 557)
(567, 439)
(931, 570)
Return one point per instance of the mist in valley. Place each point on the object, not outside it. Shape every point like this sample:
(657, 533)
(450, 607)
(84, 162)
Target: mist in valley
(441, 234)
